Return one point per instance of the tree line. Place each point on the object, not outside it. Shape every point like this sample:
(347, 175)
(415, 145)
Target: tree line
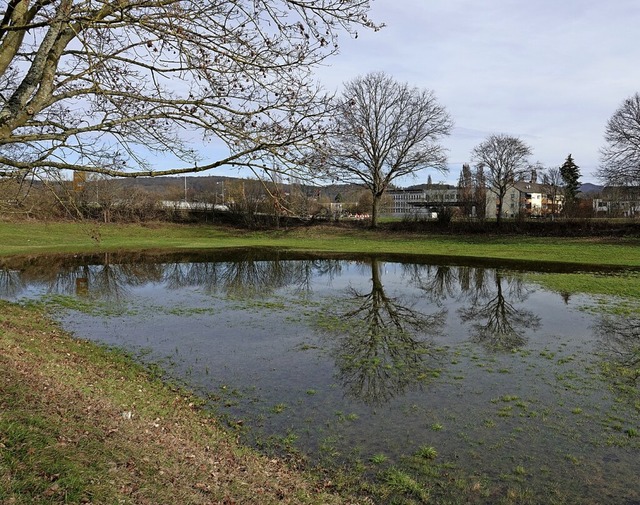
(103, 87)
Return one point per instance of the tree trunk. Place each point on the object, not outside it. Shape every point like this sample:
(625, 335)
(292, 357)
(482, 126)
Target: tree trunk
(374, 210)
(499, 216)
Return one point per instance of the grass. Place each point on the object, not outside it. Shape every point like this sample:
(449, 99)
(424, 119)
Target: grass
(80, 423)
(627, 285)
(401, 483)
(59, 237)
(427, 452)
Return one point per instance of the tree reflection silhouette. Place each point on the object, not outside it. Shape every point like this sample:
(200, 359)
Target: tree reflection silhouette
(620, 350)
(11, 283)
(100, 279)
(441, 282)
(379, 355)
(497, 323)
(110, 277)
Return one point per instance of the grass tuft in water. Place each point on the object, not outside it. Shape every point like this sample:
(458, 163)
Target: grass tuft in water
(378, 459)
(402, 483)
(427, 452)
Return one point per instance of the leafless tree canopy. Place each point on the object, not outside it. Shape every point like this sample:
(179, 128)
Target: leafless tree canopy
(503, 159)
(385, 130)
(620, 157)
(553, 183)
(98, 85)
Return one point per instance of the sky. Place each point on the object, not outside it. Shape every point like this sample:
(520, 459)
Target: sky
(551, 72)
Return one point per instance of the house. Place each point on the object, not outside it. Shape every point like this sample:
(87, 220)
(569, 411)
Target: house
(530, 199)
(618, 201)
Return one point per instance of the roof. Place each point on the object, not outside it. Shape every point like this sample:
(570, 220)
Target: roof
(531, 187)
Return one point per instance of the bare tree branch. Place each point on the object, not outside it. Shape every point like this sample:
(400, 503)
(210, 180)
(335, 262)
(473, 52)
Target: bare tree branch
(506, 158)
(95, 85)
(620, 157)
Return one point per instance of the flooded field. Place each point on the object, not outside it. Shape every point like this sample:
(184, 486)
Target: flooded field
(465, 374)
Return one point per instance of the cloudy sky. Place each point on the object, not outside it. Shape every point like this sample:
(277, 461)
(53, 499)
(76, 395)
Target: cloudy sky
(551, 72)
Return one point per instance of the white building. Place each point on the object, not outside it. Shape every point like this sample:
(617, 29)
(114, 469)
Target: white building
(529, 199)
(618, 202)
(421, 200)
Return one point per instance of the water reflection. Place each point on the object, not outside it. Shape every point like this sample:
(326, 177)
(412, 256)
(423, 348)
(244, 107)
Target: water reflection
(11, 283)
(437, 282)
(497, 323)
(251, 278)
(105, 277)
(620, 350)
(381, 347)
(378, 322)
(408, 340)
(491, 300)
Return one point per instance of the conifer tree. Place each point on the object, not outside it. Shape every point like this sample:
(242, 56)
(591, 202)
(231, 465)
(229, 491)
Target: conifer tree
(466, 190)
(570, 174)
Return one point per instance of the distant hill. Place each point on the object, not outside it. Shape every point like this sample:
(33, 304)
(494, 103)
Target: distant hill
(162, 184)
(202, 183)
(590, 189)
(196, 184)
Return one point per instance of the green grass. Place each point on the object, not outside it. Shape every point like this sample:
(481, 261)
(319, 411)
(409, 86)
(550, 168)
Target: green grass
(378, 459)
(58, 237)
(427, 452)
(627, 285)
(401, 483)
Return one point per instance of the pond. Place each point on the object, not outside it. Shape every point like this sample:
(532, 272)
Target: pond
(469, 378)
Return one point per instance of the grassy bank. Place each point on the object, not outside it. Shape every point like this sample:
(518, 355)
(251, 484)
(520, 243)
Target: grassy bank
(37, 237)
(80, 424)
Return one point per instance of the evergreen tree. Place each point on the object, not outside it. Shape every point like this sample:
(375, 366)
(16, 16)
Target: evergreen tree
(466, 190)
(480, 193)
(570, 174)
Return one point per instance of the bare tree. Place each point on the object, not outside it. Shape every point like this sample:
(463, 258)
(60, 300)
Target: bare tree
(385, 130)
(553, 184)
(505, 158)
(620, 157)
(100, 86)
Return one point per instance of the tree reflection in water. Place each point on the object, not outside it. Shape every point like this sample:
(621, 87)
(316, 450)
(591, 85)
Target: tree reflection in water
(11, 282)
(251, 278)
(620, 351)
(382, 350)
(111, 278)
(497, 323)
(105, 278)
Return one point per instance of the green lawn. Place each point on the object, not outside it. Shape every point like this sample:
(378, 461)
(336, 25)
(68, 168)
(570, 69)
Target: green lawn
(37, 237)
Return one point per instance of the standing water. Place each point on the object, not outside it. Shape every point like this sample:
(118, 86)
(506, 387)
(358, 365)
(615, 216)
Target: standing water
(468, 374)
